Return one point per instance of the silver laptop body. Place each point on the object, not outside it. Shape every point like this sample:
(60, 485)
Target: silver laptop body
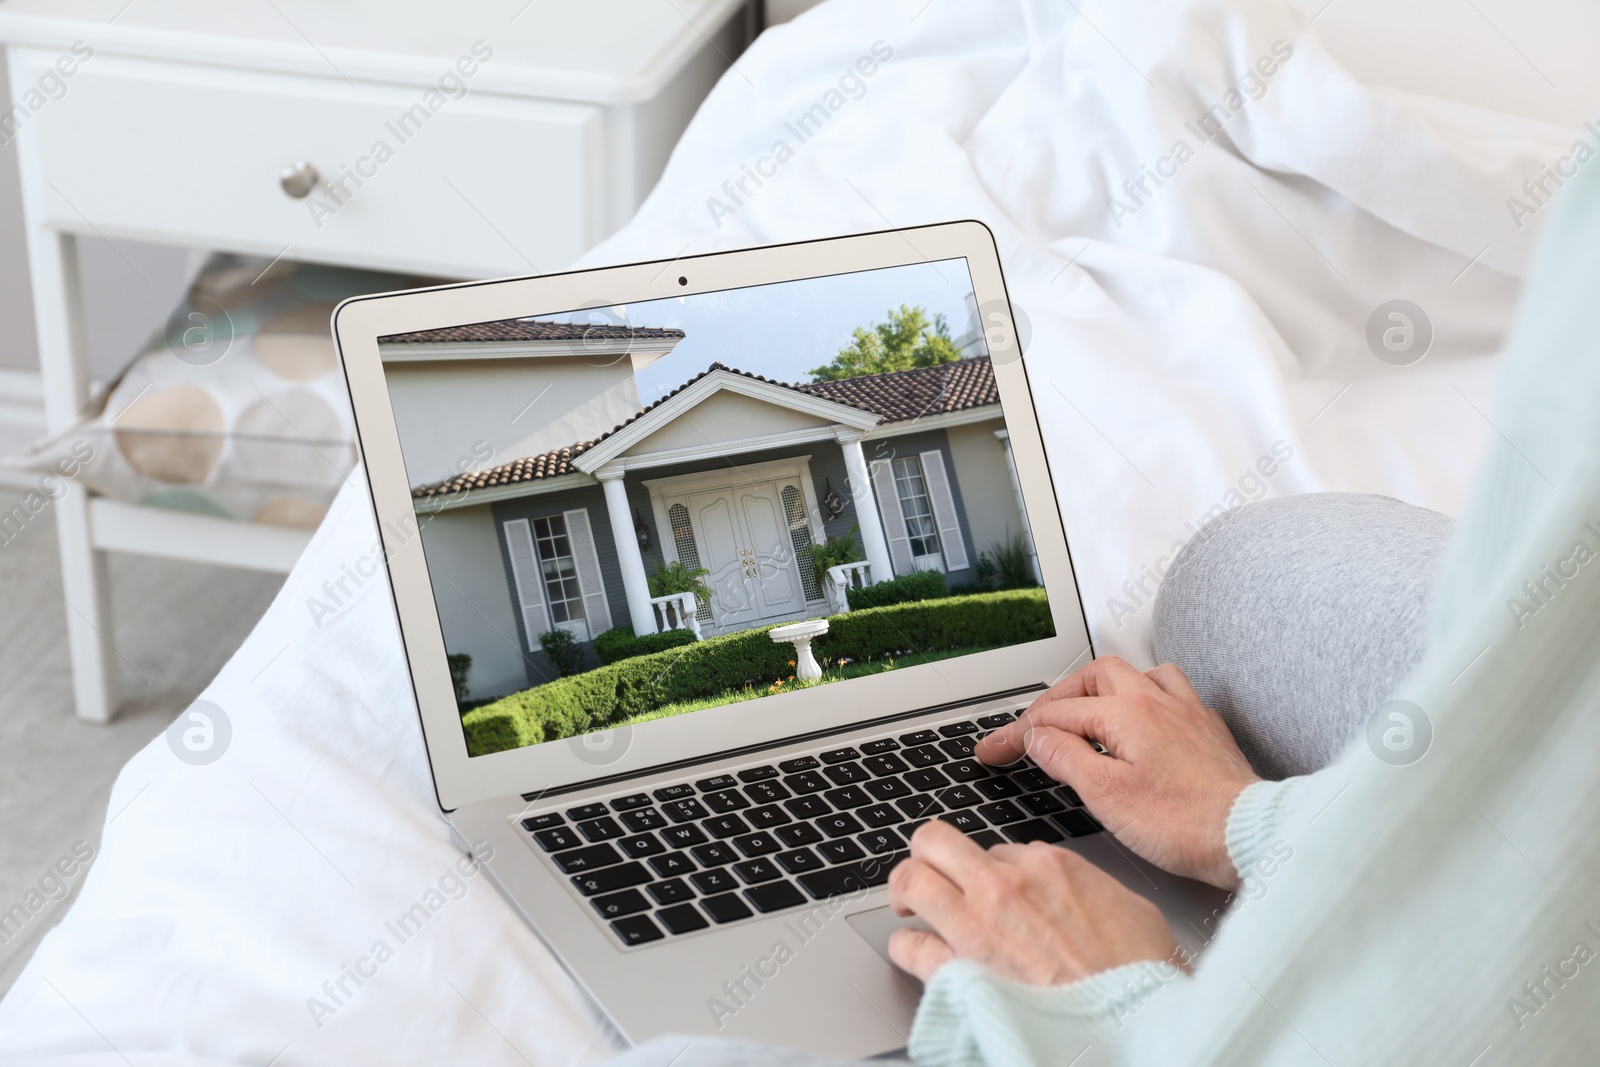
(709, 573)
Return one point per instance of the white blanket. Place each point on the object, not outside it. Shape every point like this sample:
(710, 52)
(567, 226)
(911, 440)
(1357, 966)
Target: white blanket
(1178, 336)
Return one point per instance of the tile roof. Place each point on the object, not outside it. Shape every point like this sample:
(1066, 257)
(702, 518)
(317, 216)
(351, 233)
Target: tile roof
(530, 330)
(896, 396)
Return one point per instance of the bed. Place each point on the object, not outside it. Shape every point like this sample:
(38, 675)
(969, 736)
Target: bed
(1204, 326)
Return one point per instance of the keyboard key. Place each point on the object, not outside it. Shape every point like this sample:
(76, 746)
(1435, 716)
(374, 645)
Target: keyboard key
(1001, 813)
(683, 836)
(716, 880)
(1070, 795)
(807, 807)
(849, 878)
(725, 826)
(587, 859)
(926, 781)
(690, 810)
(967, 822)
(799, 861)
(755, 871)
(604, 828)
(629, 803)
(674, 792)
(642, 820)
(995, 721)
(798, 764)
(876, 815)
(637, 930)
(757, 774)
(881, 842)
(959, 796)
(840, 755)
(888, 788)
(767, 792)
(919, 807)
(884, 765)
(806, 782)
(543, 822)
(958, 747)
(846, 773)
(616, 905)
(757, 844)
(1076, 823)
(987, 838)
(997, 788)
(683, 919)
(880, 746)
(1032, 779)
(765, 818)
(967, 770)
(1033, 830)
(673, 863)
(640, 847)
(848, 797)
(841, 825)
(586, 811)
(714, 854)
(840, 851)
(797, 834)
(610, 879)
(726, 909)
(726, 801)
(774, 896)
(957, 729)
(909, 830)
(557, 838)
(920, 737)
(926, 756)
(721, 781)
(1041, 803)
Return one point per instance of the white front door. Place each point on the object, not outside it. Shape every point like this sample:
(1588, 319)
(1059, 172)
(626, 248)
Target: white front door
(743, 540)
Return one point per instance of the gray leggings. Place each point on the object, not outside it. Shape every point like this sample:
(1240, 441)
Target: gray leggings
(1294, 618)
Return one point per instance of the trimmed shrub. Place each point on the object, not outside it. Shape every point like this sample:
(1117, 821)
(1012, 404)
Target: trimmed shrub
(619, 643)
(918, 585)
(563, 650)
(641, 684)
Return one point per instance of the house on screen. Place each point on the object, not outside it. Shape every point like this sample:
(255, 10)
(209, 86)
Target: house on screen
(547, 492)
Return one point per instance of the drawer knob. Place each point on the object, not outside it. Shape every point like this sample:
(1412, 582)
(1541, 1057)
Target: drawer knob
(298, 180)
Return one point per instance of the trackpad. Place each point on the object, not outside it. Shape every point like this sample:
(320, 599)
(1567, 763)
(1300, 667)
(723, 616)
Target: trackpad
(876, 925)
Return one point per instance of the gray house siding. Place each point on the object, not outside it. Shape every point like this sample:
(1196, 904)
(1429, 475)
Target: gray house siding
(911, 444)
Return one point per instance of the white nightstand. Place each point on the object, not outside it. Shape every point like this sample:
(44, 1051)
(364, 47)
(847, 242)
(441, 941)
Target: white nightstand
(173, 121)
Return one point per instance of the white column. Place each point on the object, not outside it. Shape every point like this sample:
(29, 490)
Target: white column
(872, 539)
(634, 581)
(1004, 437)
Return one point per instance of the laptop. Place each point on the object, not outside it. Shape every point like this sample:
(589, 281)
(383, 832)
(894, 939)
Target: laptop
(710, 572)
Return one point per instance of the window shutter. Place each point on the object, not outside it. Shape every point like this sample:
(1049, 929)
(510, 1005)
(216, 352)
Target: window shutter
(894, 520)
(529, 582)
(596, 609)
(951, 546)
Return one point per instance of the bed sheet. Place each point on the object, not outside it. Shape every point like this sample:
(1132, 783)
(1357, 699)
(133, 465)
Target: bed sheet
(1198, 211)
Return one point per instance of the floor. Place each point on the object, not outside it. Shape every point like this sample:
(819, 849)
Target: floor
(175, 624)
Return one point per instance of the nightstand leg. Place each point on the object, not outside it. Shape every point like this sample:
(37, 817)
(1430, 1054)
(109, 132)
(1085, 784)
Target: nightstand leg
(64, 370)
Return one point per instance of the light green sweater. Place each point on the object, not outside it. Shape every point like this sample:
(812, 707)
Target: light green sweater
(1446, 912)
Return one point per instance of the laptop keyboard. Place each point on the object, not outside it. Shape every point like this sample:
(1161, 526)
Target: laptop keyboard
(763, 839)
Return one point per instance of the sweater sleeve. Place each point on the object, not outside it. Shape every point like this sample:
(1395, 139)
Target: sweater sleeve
(1267, 815)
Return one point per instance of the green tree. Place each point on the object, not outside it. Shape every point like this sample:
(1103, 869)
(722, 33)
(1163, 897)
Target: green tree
(909, 339)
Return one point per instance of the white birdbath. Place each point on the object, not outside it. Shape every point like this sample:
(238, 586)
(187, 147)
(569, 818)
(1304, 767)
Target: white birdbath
(799, 634)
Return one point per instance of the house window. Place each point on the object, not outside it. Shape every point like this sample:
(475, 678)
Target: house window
(688, 554)
(912, 489)
(794, 509)
(559, 571)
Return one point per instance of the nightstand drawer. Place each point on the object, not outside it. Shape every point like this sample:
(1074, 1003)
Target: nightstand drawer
(469, 184)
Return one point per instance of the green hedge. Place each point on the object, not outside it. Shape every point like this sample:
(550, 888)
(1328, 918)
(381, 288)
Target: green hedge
(598, 698)
(619, 643)
(919, 585)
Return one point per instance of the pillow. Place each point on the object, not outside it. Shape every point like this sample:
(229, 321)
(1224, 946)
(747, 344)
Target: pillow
(236, 408)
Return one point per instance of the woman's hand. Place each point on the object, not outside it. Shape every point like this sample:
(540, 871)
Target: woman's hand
(1171, 773)
(1031, 913)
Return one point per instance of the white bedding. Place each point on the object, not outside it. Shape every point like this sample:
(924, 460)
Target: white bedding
(1170, 350)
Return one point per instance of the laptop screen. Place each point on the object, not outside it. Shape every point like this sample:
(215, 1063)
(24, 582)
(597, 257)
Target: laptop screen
(636, 512)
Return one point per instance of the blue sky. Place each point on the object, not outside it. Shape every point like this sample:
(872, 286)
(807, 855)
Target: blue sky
(782, 331)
